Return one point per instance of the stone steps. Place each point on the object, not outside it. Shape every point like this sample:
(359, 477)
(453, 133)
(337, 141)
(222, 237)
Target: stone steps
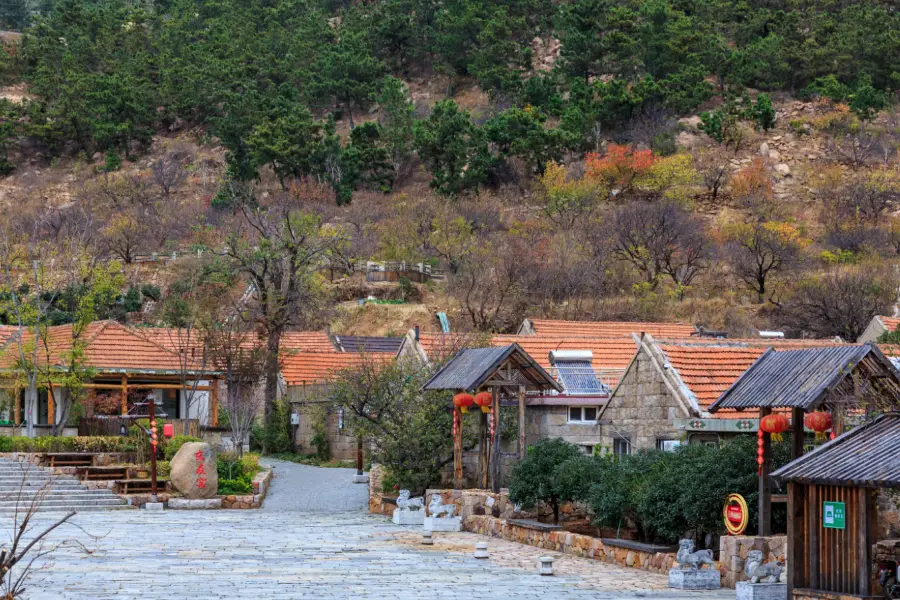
(21, 483)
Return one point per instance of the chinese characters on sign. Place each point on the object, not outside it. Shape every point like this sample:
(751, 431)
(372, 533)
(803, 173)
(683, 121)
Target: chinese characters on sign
(201, 470)
(834, 515)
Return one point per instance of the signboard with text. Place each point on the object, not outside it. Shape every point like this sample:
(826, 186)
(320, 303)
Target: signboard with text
(834, 515)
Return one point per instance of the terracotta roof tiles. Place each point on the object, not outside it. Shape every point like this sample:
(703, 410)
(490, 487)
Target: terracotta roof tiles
(609, 328)
(311, 368)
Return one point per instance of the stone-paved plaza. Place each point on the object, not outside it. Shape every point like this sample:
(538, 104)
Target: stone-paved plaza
(312, 539)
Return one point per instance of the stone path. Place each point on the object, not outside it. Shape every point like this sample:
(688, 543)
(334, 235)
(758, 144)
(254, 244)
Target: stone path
(285, 552)
(311, 489)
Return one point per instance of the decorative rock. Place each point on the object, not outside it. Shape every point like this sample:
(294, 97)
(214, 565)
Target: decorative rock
(481, 550)
(194, 504)
(408, 517)
(760, 591)
(694, 579)
(427, 538)
(783, 170)
(546, 565)
(194, 471)
(764, 149)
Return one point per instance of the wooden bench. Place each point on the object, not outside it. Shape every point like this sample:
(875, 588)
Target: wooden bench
(139, 486)
(69, 459)
(102, 473)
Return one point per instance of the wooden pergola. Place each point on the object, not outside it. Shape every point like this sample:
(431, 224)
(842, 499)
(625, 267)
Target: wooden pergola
(832, 512)
(807, 380)
(507, 372)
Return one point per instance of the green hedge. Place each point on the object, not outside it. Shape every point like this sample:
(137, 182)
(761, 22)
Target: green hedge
(67, 444)
(172, 446)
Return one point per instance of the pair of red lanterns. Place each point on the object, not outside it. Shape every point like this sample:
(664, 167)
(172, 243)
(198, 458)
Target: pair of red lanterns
(776, 424)
(464, 401)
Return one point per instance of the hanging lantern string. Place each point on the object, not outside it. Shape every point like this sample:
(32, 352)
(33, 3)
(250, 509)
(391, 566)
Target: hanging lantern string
(760, 451)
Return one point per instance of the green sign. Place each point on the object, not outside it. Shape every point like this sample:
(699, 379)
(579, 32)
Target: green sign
(834, 515)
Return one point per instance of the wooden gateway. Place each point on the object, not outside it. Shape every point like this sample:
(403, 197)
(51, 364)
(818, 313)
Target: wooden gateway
(832, 512)
(506, 371)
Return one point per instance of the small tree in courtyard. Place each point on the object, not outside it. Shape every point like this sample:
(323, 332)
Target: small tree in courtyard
(541, 477)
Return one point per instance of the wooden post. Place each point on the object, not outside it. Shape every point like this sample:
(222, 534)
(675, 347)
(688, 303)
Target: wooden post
(359, 455)
(797, 434)
(837, 414)
(214, 403)
(864, 543)
(484, 444)
(522, 447)
(457, 449)
(813, 527)
(765, 489)
(796, 561)
(153, 442)
(495, 443)
(124, 395)
(17, 401)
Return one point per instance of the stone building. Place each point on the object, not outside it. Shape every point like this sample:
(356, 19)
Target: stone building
(878, 326)
(663, 397)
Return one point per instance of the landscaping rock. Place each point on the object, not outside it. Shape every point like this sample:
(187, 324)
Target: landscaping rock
(194, 471)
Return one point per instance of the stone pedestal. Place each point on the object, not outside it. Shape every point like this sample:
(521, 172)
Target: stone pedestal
(154, 506)
(194, 504)
(361, 478)
(443, 524)
(760, 591)
(690, 579)
(408, 517)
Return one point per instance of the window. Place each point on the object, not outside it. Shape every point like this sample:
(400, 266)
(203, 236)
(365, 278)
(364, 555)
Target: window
(583, 414)
(667, 445)
(588, 449)
(622, 446)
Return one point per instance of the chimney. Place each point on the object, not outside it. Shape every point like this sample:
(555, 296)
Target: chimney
(416, 330)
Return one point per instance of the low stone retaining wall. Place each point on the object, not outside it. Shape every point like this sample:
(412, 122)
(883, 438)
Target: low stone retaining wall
(570, 543)
(241, 502)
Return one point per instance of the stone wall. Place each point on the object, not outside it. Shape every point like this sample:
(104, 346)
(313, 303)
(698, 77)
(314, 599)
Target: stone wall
(733, 554)
(642, 408)
(547, 422)
(571, 543)
(241, 502)
(377, 503)
(888, 514)
(341, 445)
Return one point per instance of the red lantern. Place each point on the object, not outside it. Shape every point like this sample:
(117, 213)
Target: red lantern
(169, 430)
(484, 400)
(820, 422)
(760, 451)
(463, 401)
(776, 425)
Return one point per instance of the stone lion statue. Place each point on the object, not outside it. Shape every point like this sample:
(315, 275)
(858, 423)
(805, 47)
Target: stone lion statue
(688, 559)
(404, 502)
(756, 571)
(437, 508)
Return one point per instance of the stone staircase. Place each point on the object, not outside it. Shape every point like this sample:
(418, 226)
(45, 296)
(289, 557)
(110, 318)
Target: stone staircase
(21, 482)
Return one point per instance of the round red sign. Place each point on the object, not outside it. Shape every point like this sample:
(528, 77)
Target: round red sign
(736, 514)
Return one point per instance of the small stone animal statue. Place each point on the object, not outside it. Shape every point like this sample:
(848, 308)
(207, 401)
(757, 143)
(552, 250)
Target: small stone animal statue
(688, 559)
(756, 571)
(436, 507)
(404, 502)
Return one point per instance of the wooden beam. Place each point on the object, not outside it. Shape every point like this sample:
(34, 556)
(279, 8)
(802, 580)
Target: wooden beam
(457, 449)
(795, 534)
(765, 489)
(495, 443)
(51, 409)
(124, 394)
(484, 444)
(797, 433)
(145, 386)
(214, 403)
(864, 544)
(522, 446)
(17, 411)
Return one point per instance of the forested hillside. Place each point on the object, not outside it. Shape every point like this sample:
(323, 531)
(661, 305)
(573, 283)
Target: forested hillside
(728, 162)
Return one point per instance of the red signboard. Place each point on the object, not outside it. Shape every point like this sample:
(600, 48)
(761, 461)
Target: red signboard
(736, 514)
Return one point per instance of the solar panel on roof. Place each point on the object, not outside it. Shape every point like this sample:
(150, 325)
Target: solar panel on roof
(578, 377)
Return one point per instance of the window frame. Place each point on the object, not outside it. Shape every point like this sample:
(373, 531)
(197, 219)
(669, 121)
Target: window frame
(582, 420)
(620, 440)
(661, 443)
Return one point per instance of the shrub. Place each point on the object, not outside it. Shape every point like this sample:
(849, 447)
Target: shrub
(112, 161)
(236, 473)
(539, 478)
(174, 445)
(67, 444)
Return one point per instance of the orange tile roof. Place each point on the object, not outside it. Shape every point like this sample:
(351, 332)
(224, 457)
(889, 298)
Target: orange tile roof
(609, 328)
(890, 323)
(7, 332)
(307, 341)
(110, 348)
(610, 355)
(318, 367)
(707, 371)
(780, 343)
